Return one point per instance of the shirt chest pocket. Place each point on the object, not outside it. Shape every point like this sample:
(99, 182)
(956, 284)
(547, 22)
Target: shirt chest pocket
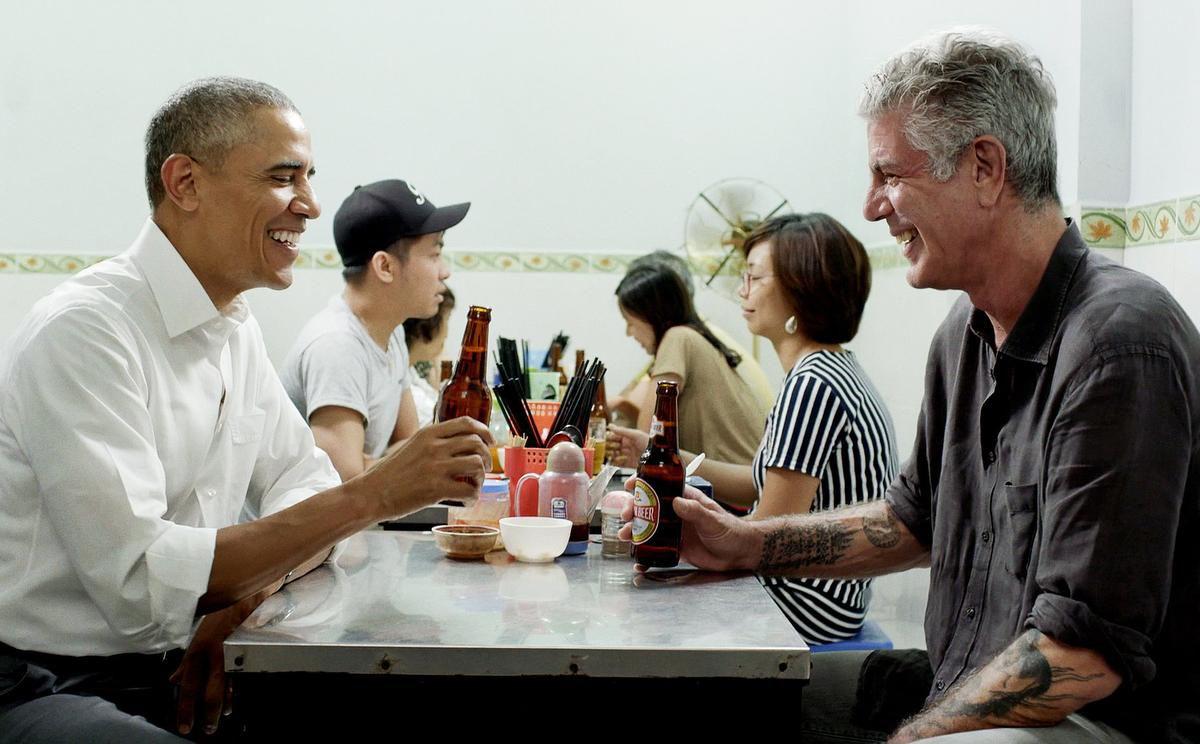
(247, 429)
(1017, 527)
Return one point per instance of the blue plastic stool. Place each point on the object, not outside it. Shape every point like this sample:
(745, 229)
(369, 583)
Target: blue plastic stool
(870, 638)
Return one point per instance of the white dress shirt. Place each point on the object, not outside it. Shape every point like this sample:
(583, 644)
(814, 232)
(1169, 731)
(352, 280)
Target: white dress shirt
(135, 420)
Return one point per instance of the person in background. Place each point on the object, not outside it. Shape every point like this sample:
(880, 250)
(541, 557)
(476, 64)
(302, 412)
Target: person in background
(829, 440)
(348, 371)
(638, 394)
(426, 339)
(718, 412)
(1054, 485)
(156, 485)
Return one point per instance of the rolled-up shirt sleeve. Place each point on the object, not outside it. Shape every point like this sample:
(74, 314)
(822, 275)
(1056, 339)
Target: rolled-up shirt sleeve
(100, 479)
(1115, 483)
(907, 499)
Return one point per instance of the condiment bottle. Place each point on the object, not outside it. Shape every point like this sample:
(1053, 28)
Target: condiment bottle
(563, 493)
(598, 428)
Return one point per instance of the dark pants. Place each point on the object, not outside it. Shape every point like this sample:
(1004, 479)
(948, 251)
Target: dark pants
(862, 696)
(123, 698)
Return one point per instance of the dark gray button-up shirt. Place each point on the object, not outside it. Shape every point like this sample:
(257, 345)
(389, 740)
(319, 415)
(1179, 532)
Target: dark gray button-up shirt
(1057, 483)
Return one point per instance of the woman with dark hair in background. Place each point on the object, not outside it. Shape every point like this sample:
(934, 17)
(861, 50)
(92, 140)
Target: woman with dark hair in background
(829, 440)
(638, 393)
(426, 338)
(718, 411)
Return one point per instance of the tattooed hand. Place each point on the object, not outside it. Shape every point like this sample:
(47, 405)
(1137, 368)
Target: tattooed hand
(714, 539)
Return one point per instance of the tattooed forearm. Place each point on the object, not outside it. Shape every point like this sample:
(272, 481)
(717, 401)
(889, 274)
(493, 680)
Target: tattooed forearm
(1026, 680)
(1021, 687)
(815, 543)
(881, 529)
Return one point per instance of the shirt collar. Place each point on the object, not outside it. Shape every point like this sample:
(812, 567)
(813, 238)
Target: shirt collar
(182, 301)
(1036, 328)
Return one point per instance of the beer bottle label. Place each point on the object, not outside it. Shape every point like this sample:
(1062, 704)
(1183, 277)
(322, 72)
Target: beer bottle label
(558, 508)
(646, 510)
(656, 427)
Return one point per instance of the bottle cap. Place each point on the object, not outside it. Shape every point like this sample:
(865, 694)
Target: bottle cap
(565, 457)
(614, 502)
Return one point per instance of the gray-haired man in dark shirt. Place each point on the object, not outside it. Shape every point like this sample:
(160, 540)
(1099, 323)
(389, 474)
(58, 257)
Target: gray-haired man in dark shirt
(1054, 487)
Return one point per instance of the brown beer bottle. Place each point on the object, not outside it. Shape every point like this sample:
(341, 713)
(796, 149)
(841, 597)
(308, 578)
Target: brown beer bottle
(656, 527)
(446, 371)
(467, 394)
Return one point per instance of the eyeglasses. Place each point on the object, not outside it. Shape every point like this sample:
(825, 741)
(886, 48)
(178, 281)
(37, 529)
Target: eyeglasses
(749, 280)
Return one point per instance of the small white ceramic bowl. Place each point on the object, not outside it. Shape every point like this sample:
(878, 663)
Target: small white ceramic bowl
(465, 542)
(535, 539)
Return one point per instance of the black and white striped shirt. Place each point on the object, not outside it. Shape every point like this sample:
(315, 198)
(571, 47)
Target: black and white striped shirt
(829, 422)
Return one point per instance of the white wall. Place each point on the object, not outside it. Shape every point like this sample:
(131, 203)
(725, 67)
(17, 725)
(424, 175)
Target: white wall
(1105, 113)
(1165, 164)
(586, 126)
(1166, 61)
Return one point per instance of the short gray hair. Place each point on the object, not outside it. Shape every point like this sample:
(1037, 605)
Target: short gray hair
(205, 119)
(965, 83)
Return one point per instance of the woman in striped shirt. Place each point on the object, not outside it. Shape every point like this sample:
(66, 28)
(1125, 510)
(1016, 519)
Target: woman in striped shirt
(829, 440)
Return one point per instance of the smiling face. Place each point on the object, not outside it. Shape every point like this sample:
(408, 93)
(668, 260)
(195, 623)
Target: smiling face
(764, 305)
(255, 205)
(422, 277)
(935, 222)
(639, 330)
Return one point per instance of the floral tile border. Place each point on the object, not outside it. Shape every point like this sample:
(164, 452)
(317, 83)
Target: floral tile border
(1188, 212)
(882, 256)
(45, 263)
(1176, 220)
(1152, 223)
(1103, 228)
(886, 256)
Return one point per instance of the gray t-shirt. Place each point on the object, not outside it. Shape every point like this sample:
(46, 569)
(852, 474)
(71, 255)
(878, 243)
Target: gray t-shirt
(335, 362)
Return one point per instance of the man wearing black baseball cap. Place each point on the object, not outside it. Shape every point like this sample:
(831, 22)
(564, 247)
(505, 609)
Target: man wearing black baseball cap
(348, 372)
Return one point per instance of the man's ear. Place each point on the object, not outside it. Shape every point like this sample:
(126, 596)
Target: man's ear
(179, 180)
(989, 160)
(385, 267)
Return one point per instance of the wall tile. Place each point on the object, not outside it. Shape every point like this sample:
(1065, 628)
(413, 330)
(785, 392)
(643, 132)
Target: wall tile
(1189, 218)
(1103, 227)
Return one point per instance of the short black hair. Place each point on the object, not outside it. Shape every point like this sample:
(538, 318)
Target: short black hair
(823, 270)
(205, 119)
(655, 293)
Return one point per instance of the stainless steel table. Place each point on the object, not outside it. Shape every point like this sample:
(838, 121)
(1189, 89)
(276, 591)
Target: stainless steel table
(392, 608)
(392, 604)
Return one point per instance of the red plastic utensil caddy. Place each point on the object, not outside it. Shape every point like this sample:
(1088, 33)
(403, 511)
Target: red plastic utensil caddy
(521, 460)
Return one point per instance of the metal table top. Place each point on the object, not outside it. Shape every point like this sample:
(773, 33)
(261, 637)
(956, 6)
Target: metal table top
(392, 604)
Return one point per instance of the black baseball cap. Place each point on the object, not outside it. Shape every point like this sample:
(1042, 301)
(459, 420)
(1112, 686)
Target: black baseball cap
(378, 214)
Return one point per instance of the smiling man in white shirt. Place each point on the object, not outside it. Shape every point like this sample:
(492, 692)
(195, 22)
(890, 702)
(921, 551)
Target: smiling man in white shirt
(152, 469)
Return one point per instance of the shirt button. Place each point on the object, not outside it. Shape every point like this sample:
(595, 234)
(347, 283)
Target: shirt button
(989, 457)
(986, 536)
(939, 685)
(970, 613)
